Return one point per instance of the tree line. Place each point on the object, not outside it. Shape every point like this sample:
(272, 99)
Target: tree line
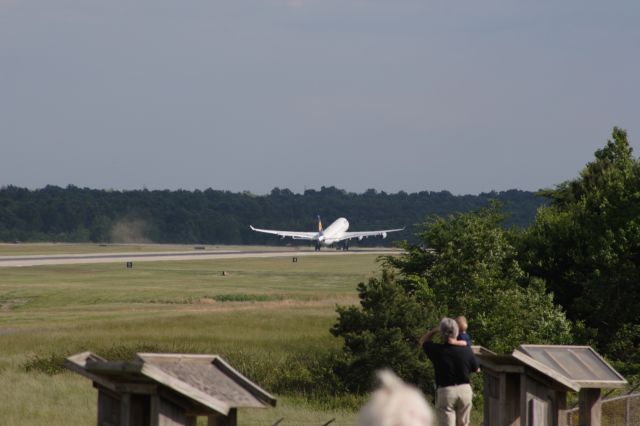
(74, 214)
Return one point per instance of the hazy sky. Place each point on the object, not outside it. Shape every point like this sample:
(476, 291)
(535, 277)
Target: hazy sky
(467, 96)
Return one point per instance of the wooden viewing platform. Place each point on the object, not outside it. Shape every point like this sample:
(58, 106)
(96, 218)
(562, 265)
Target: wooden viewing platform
(168, 389)
(529, 387)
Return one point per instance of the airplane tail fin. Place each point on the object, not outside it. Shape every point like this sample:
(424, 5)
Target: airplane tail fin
(319, 225)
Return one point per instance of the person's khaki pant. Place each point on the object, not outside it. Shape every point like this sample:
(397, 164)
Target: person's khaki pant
(453, 404)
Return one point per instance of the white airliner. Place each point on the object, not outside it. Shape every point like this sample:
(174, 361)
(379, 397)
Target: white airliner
(334, 233)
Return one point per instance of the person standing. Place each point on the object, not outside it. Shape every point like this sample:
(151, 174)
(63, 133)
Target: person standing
(453, 365)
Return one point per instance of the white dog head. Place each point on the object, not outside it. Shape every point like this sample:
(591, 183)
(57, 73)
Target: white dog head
(395, 403)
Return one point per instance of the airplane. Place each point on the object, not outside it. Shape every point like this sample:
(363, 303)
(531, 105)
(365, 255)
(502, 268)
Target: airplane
(334, 233)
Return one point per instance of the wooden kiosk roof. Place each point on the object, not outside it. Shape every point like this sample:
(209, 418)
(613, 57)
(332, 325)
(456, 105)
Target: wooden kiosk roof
(571, 367)
(580, 364)
(207, 380)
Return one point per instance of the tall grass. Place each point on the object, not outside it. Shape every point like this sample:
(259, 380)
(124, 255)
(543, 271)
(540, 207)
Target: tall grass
(269, 318)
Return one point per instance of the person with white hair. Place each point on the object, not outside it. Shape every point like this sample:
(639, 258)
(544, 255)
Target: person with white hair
(452, 364)
(395, 403)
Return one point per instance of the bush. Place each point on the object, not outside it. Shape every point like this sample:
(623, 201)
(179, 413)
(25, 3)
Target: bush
(382, 332)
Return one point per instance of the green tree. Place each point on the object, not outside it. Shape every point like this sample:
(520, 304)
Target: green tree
(586, 246)
(469, 263)
(466, 264)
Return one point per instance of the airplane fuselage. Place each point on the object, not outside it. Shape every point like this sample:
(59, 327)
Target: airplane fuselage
(334, 232)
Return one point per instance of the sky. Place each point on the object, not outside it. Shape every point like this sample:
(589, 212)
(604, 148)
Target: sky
(248, 95)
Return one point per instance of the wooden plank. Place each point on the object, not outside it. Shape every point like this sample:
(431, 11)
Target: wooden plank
(486, 362)
(487, 412)
(524, 409)
(125, 410)
(508, 401)
(513, 398)
(537, 413)
(502, 399)
(137, 388)
(72, 364)
(113, 368)
(560, 418)
(99, 382)
(147, 355)
(600, 384)
(547, 381)
(540, 410)
(108, 409)
(590, 407)
(523, 348)
(140, 411)
(155, 410)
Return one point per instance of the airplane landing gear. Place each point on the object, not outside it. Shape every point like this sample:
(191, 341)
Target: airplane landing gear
(317, 246)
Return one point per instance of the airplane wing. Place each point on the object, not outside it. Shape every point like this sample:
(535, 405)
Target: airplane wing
(365, 234)
(290, 234)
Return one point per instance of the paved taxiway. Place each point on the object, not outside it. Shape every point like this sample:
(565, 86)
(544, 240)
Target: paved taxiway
(74, 259)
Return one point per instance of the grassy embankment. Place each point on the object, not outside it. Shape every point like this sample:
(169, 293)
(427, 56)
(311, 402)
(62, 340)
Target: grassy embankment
(269, 317)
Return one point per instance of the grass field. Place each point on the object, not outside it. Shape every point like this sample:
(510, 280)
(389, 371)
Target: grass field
(268, 317)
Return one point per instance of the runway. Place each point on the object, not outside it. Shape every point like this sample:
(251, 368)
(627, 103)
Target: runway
(76, 259)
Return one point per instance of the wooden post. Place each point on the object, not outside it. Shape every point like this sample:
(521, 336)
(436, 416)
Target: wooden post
(108, 407)
(561, 409)
(590, 407)
(154, 410)
(486, 397)
(627, 411)
(524, 407)
(502, 398)
(125, 409)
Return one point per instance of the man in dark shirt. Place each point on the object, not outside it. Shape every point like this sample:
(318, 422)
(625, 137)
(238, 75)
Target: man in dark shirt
(452, 365)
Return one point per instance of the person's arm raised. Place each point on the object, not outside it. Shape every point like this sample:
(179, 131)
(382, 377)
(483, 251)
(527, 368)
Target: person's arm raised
(428, 336)
(456, 342)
